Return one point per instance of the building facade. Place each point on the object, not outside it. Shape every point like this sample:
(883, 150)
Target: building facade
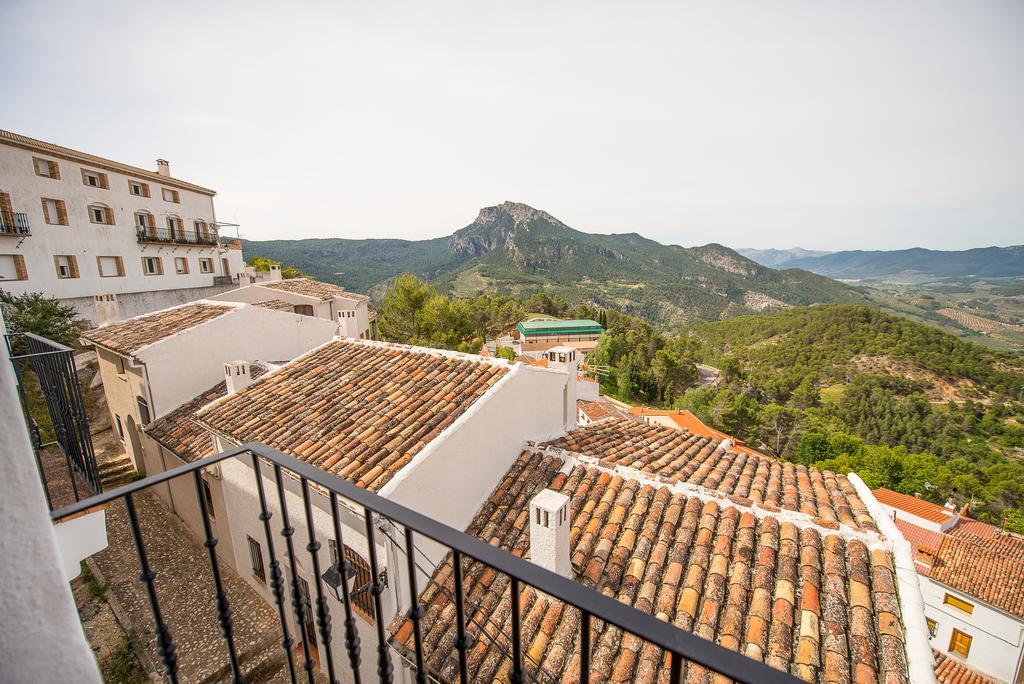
(75, 226)
(533, 337)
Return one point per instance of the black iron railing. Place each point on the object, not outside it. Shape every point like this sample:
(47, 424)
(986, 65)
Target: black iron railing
(51, 367)
(176, 236)
(14, 224)
(276, 468)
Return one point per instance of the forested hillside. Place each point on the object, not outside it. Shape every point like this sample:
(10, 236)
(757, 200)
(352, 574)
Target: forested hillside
(515, 250)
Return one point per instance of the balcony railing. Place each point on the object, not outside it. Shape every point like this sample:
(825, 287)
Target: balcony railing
(175, 236)
(273, 469)
(14, 224)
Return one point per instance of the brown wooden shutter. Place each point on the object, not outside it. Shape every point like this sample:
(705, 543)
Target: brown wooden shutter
(46, 211)
(120, 266)
(110, 215)
(19, 267)
(73, 265)
(62, 213)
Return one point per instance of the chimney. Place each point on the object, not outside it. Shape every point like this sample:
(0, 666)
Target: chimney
(566, 359)
(724, 445)
(549, 532)
(163, 167)
(348, 323)
(237, 376)
(275, 273)
(108, 310)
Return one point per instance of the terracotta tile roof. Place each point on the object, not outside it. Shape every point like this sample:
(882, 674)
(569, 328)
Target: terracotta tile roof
(130, 336)
(989, 535)
(179, 432)
(679, 456)
(594, 410)
(918, 536)
(913, 505)
(358, 409)
(810, 602)
(275, 304)
(685, 420)
(950, 670)
(991, 572)
(313, 288)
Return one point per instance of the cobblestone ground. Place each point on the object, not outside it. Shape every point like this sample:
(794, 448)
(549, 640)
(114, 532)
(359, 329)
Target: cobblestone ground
(186, 593)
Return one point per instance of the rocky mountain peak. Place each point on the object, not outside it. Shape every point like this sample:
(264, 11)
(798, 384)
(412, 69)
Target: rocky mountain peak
(496, 227)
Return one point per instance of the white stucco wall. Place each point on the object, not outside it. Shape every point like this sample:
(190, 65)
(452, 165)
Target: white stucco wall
(997, 637)
(251, 294)
(86, 240)
(248, 333)
(41, 638)
(79, 538)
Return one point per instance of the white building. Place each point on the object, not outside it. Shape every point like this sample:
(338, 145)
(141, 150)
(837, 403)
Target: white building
(311, 298)
(972, 581)
(75, 226)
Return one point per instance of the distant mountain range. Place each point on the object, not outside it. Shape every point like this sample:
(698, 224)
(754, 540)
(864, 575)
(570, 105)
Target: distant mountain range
(774, 257)
(515, 249)
(983, 262)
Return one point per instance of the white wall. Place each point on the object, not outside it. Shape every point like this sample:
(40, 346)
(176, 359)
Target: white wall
(900, 514)
(41, 638)
(87, 240)
(248, 333)
(79, 538)
(998, 638)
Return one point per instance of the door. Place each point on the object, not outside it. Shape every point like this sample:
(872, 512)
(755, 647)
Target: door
(224, 265)
(307, 613)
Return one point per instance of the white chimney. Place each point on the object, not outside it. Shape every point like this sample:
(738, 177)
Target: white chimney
(108, 309)
(348, 323)
(275, 273)
(549, 532)
(724, 445)
(237, 376)
(163, 167)
(566, 359)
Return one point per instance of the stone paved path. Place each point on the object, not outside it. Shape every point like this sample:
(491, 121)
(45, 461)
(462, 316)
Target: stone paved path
(186, 594)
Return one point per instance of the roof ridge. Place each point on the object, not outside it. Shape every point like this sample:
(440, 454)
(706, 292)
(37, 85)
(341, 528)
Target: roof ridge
(870, 538)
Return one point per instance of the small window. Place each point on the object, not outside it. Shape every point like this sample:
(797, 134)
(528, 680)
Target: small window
(208, 497)
(206, 265)
(958, 603)
(152, 266)
(932, 627)
(202, 229)
(110, 266)
(66, 265)
(55, 212)
(46, 168)
(120, 427)
(95, 179)
(170, 195)
(12, 267)
(119, 365)
(138, 188)
(99, 213)
(256, 556)
(143, 406)
(174, 228)
(304, 309)
(960, 643)
(181, 265)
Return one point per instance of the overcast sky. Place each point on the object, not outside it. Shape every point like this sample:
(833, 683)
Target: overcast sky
(858, 125)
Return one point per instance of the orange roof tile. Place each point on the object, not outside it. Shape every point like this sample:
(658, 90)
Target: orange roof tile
(275, 305)
(815, 604)
(130, 336)
(680, 456)
(685, 420)
(950, 670)
(991, 572)
(357, 409)
(594, 410)
(913, 505)
(312, 288)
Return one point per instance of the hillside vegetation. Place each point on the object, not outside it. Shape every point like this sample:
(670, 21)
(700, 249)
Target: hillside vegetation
(991, 262)
(513, 249)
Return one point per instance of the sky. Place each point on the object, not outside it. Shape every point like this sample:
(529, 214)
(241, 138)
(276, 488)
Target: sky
(827, 125)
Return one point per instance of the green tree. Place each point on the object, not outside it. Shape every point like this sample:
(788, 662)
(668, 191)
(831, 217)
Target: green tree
(34, 312)
(505, 353)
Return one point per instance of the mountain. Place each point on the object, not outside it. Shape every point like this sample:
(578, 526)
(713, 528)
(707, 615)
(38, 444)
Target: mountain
(516, 249)
(774, 257)
(983, 262)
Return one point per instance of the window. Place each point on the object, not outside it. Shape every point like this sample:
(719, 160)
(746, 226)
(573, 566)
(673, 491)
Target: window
(66, 265)
(144, 222)
(304, 309)
(958, 603)
(119, 365)
(256, 555)
(208, 498)
(143, 410)
(110, 266)
(138, 188)
(46, 168)
(99, 213)
(12, 267)
(363, 600)
(202, 230)
(174, 227)
(152, 266)
(181, 265)
(120, 427)
(960, 643)
(95, 179)
(206, 265)
(170, 195)
(932, 627)
(55, 212)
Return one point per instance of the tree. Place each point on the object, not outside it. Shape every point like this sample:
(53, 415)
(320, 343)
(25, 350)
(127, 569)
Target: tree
(505, 353)
(264, 264)
(34, 312)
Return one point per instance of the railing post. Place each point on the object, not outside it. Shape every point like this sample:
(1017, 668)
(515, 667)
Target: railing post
(384, 669)
(297, 603)
(351, 633)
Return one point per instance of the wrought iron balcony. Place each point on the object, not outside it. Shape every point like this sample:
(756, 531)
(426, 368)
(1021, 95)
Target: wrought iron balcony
(14, 224)
(149, 234)
(286, 489)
